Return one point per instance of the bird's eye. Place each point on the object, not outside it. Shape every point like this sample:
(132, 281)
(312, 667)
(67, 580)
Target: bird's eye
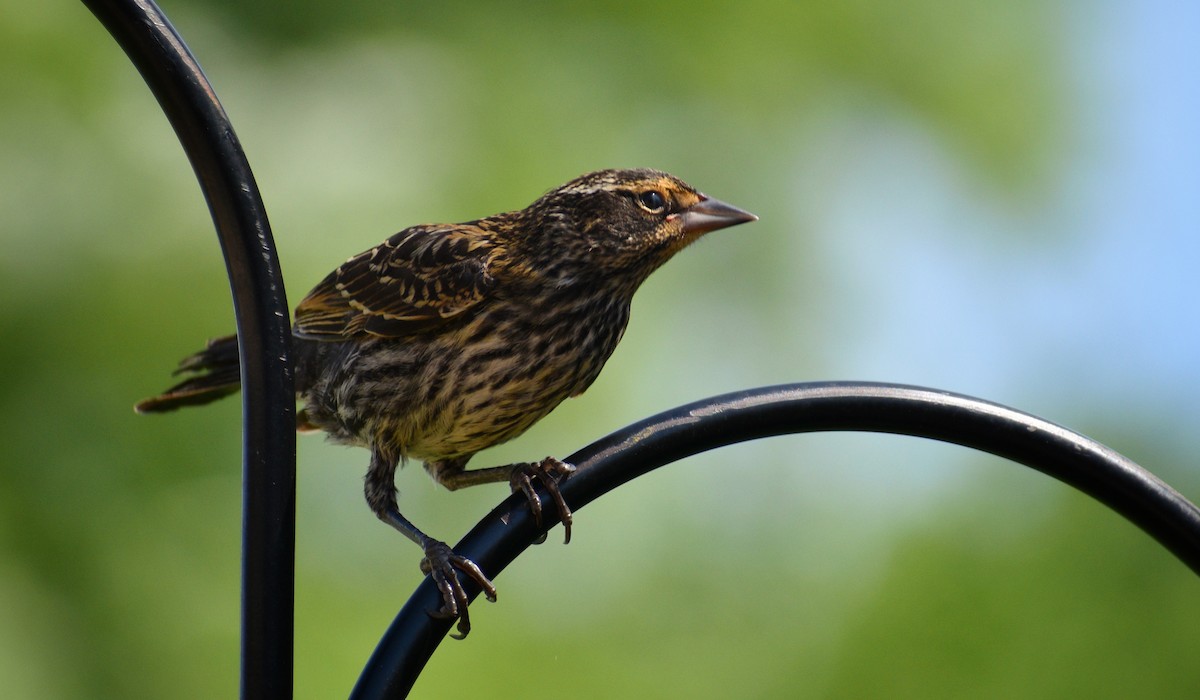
(652, 201)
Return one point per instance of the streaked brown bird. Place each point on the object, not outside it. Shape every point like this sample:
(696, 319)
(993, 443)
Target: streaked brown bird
(446, 339)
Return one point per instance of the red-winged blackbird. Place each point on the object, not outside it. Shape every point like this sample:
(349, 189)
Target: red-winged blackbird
(448, 339)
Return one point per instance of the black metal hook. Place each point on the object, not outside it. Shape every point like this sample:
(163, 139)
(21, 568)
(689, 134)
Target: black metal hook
(264, 334)
(626, 454)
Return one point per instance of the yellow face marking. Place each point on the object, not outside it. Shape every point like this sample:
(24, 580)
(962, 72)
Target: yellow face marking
(676, 196)
(685, 199)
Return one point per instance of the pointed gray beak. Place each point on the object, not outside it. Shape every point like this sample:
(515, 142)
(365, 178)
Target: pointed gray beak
(711, 214)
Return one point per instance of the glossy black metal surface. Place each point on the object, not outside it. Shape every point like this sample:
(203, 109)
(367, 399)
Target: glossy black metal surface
(264, 333)
(796, 408)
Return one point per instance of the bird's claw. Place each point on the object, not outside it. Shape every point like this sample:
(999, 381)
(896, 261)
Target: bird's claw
(440, 563)
(548, 471)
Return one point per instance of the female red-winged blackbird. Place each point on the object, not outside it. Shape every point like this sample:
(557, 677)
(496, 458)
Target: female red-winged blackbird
(448, 339)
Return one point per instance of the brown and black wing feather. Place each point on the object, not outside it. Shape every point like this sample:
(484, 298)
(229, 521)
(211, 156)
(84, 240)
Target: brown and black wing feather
(413, 281)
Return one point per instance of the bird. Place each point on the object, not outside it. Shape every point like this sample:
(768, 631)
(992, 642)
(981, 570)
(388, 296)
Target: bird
(446, 339)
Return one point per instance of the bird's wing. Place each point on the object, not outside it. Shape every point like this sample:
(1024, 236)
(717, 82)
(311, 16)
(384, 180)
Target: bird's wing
(416, 279)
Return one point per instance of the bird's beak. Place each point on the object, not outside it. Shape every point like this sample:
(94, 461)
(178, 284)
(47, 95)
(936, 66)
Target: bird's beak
(711, 214)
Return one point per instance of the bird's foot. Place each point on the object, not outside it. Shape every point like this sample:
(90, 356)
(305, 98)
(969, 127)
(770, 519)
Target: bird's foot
(548, 471)
(440, 562)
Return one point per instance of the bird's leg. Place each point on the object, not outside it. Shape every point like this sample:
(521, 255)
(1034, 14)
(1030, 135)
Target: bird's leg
(452, 474)
(440, 561)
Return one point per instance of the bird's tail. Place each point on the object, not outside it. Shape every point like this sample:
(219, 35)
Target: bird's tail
(215, 373)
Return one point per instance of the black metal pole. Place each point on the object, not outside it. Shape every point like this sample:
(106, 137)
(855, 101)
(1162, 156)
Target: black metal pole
(796, 408)
(264, 334)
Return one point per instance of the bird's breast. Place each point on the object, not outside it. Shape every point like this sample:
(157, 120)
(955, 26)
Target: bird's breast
(505, 369)
(466, 386)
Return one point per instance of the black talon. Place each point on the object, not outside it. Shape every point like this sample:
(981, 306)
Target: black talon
(548, 471)
(440, 563)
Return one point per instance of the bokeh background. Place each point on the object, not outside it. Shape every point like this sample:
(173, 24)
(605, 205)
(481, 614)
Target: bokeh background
(997, 199)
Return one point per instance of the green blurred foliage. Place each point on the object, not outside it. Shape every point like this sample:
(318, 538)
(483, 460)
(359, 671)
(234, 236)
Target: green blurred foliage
(119, 535)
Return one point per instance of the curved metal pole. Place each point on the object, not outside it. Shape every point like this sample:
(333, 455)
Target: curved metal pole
(264, 334)
(796, 408)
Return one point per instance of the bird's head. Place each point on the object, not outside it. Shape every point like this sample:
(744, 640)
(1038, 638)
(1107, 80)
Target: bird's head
(622, 223)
